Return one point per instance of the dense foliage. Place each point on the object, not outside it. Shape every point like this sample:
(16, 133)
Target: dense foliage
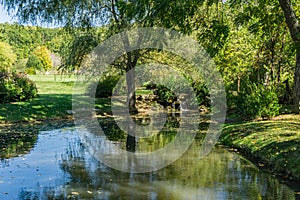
(39, 60)
(7, 56)
(16, 87)
(105, 86)
(257, 101)
(28, 48)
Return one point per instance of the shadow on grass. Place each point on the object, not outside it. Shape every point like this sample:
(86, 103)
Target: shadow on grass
(274, 144)
(46, 106)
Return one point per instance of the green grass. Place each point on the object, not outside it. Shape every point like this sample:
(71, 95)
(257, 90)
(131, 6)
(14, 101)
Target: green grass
(55, 98)
(274, 143)
(142, 91)
(52, 78)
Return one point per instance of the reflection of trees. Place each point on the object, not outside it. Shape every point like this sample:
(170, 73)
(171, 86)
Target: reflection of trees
(226, 172)
(16, 144)
(220, 172)
(153, 142)
(220, 175)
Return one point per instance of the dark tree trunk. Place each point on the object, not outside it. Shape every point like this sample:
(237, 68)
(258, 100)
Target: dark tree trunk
(239, 84)
(296, 96)
(293, 24)
(131, 100)
(130, 142)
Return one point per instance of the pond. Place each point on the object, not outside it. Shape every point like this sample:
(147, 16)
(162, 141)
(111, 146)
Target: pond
(59, 166)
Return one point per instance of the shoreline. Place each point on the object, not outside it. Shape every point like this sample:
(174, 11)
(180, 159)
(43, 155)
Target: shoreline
(272, 145)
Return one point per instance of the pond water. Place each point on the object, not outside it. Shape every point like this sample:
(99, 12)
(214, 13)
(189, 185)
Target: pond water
(58, 166)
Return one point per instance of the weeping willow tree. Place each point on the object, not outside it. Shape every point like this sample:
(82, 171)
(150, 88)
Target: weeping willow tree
(116, 15)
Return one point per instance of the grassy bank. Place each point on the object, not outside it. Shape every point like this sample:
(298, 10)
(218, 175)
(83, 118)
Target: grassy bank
(273, 144)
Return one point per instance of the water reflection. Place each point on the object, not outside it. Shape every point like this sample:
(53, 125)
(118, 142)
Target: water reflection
(16, 144)
(170, 143)
(60, 167)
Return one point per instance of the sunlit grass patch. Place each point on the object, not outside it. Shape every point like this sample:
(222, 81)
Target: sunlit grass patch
(53, 101)
(275, 142)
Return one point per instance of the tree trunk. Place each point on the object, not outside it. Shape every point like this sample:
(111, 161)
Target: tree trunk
(296, 96)
(131, 100)
(239, 84)
(293, 25)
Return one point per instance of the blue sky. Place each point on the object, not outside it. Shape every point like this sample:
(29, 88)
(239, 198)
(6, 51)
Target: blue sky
(4, 17)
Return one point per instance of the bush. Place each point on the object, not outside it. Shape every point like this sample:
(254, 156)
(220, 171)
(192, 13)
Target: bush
(16, 87)
(165, 96)
(258, 101)
(30, 70)
(202, 94)
(105, 86)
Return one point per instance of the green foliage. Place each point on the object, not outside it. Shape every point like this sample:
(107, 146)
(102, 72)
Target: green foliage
(16, 87)
(39, 60)
(202, 94)
(165, 95)
(258, 101)
(33, 64)
(77, 50)
(25, 38)
(43, 54)
(20, 65)
(31, 71)
(7, 56)
(105, 85)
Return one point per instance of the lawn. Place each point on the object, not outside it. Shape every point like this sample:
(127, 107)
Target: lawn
(53, 102)
(272, 144)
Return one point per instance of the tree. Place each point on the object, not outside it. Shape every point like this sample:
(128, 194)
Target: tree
(265, 18)
(42, 54)
(7, 56)
(294, 28)
(33, 64)
(118, 15)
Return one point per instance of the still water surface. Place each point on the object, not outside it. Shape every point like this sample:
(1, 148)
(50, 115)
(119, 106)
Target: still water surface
(60, 167)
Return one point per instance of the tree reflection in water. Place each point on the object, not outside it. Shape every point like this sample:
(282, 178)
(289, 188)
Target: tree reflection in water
(16, 144)
(220, 175)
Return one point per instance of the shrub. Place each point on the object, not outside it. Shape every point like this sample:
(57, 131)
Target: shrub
(258, 101)
(105, 85)
(202, 94)
(16, 87)
(165, 95)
